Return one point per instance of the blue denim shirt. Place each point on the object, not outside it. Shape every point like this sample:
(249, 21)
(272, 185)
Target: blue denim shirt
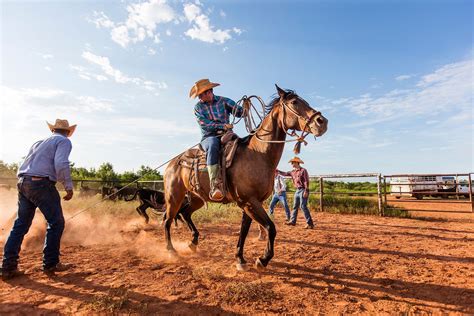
(49, 158)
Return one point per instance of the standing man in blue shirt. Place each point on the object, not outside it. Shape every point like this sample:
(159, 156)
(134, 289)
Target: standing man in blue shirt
(212, 114)
(46, 163)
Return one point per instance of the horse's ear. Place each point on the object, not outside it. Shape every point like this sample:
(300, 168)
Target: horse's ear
(280, 91)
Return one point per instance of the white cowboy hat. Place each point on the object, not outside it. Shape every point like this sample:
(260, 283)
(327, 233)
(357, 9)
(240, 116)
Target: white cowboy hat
(201, 86)
(63, 125)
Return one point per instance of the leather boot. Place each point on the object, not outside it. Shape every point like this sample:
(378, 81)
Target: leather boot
(215, 194)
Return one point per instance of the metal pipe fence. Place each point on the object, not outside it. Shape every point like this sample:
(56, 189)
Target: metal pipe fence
(383, 184)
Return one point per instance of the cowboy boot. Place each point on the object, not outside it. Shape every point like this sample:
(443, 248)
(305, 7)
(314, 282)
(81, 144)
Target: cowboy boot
(215, 193)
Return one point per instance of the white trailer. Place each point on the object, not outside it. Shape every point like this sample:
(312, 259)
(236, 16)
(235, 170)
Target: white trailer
(413, 186)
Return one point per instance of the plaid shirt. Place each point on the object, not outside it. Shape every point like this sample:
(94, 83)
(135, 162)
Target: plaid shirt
(212, 117)
(300, 178)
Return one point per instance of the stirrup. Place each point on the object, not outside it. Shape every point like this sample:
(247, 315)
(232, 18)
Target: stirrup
(216, 195)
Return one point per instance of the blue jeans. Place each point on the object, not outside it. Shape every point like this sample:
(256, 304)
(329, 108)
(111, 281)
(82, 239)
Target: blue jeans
(33, 194)
(300, 201)
(211, 145)
(282, 198)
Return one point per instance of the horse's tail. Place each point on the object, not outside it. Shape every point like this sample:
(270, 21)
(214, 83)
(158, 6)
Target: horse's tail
(133, 197)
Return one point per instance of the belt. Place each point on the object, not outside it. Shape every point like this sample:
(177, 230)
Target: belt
(35, 178)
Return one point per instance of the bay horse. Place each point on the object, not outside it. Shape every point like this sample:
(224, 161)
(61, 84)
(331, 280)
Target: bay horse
(250, 177)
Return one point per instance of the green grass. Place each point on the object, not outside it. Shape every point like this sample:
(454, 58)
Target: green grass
(231, 213)
(218, 213)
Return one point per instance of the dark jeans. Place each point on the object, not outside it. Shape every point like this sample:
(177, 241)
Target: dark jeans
(211, 145)
(33, 194)
(300, 201)
(282, 198)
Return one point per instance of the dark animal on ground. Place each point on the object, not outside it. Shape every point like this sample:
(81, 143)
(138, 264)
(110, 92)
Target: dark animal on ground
(110, 192)
(123, 191)
(85, 191)
(156, 200)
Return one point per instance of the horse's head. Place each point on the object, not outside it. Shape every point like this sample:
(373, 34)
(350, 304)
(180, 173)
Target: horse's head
(297, 114)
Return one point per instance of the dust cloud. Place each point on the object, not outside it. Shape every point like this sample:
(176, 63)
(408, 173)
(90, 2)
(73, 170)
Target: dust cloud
(124, 232)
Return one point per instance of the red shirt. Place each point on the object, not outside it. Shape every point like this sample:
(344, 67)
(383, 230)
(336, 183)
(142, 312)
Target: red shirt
(300, 178)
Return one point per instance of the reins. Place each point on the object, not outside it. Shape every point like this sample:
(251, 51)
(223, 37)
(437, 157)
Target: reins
(252, 128)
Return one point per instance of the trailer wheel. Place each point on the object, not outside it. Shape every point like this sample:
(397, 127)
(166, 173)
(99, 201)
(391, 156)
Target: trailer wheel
(398, 197)
(418, 196)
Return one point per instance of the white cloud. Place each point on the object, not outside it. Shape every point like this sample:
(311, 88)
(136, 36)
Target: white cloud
(143, 19)
(237, 30)
(117, 75)
(201, 28)
(448, 88)
(120, 35)
(101, 20)
(85, 74)
(151, 51)
(47, 56)
(141, 22)
(222, 13)
(47, 68)
(403, 77)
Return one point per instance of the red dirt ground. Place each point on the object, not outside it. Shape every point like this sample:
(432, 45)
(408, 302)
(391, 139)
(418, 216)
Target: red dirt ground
(348, 264)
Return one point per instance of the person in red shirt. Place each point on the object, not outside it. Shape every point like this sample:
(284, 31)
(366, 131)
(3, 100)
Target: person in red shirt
(300, 179)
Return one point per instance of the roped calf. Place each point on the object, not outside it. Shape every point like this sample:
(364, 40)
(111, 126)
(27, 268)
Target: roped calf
(153, 199)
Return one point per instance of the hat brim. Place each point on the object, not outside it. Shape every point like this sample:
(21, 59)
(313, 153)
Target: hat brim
(298, 161)
(70, 129)
(194, 93)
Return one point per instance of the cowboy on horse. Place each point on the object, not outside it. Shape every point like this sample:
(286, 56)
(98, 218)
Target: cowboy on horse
(212, 114)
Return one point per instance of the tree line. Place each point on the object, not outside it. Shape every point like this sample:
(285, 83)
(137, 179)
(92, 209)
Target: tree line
(105, 172)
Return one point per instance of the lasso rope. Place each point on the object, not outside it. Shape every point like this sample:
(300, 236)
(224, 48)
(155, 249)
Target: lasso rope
(252, 128)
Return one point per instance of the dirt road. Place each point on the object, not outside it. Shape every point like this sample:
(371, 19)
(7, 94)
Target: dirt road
(348, 264)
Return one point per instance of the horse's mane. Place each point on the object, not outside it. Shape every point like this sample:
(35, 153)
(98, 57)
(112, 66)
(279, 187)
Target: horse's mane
(269, 107)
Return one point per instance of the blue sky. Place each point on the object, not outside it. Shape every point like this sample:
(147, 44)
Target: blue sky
(394, 78)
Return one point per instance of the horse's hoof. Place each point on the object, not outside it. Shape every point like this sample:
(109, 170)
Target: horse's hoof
(241, 266)
(172, 255)
(259, 265)
(193, 247)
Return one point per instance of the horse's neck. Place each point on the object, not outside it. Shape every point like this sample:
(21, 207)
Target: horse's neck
(269, 131)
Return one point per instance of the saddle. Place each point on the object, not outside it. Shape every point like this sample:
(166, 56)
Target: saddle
(195, 159)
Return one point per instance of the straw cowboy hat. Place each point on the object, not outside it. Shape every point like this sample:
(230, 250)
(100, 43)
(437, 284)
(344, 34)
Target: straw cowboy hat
(201, 86)
(63, 125)
(296, 159)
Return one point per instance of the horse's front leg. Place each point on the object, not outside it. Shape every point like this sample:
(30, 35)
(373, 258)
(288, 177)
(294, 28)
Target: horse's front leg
(244, 229)
(258, 213)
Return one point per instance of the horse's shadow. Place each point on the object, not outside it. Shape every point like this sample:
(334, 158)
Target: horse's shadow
(403, 234)
(406, 255)
(463, 298)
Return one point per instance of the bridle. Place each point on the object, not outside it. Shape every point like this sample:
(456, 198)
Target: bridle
(299, 139)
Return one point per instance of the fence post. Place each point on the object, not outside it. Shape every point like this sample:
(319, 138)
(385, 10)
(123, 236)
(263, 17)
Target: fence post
(321, 194)
(379, 195)
(470, 193)
(385, 194)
